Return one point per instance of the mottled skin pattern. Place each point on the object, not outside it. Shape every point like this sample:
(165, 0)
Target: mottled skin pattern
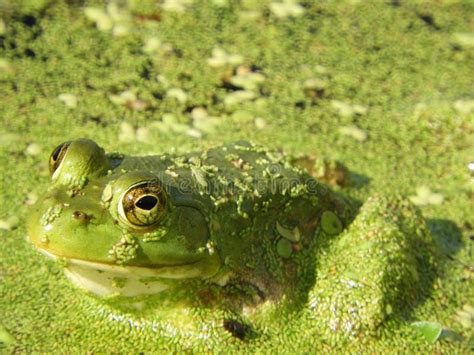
(235, 217)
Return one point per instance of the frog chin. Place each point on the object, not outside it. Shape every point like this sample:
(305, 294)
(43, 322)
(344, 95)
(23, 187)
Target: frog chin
(117, 280)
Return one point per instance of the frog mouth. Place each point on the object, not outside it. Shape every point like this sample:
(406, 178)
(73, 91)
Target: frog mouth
(118, 280)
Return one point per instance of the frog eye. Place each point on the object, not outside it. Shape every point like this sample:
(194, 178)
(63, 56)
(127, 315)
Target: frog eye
(57, 156)
(144, 204)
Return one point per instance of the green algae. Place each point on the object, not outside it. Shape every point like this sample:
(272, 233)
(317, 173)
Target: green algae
(410, 74)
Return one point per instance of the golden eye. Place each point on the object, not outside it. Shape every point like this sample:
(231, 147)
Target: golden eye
(57, 156)
(144, 204)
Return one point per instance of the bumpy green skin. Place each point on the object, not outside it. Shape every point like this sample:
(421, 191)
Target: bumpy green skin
(375, 269)
(246, 219)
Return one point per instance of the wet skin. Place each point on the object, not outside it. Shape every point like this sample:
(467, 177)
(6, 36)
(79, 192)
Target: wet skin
(233, 215)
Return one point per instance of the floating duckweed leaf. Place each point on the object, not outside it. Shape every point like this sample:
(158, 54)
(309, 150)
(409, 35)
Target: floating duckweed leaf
(249, 14)
(120, 30)
(5, 66)
(315, 83)
(242, 116)
(178, 94)
(127, 133)
(123, 98)
(3, 27)
(463, 39)
(424, 196)
(193, 132)
(248, 81)
(199, 175)
(292, 235)
(465, 316)
(69, 100)
(176, 5)
(464, 106)
(102, 20)
(199, 113)
(202, 121)
(33, 149)
(154, 45)
(220, 58)
(286, 8)
(142, 134)
(431, 331)
(320, 69)
(330, 223)
(260, 123)
(354, 132)
(284, 248)
(5, 337)
(170, 124)
(9, 223)
(163, 81)
(359, 109)
(113, 19)
(348, 110)
(238, 97)
(344, 110)
(31, 198)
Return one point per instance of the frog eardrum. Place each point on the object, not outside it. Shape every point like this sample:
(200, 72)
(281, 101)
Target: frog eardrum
(143, 204)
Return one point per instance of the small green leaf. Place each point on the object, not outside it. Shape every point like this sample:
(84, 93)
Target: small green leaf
(284, 248)
(5, 337)
(178, 94)
(220, 58)
(330, 223)
(9, 223)
(291, 235)
(69, 100)
(424, 196)
(463, 39)
(286, 8)
(354, 132)
(431, 331)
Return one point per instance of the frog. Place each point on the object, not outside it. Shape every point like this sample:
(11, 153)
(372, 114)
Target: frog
(237, 229)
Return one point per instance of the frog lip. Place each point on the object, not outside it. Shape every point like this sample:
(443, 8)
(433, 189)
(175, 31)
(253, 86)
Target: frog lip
(179, 271)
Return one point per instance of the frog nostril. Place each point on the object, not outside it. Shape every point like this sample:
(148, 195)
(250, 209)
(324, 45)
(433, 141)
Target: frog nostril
(81, 216)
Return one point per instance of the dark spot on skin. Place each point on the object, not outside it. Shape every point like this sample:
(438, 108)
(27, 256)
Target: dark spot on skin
(471, 237)
(236, 328)
(81, 216)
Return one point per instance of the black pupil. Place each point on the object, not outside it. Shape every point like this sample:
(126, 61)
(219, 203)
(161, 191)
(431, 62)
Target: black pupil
(57, 151)
(147, 202)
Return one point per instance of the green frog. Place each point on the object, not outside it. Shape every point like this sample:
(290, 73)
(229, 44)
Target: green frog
(236, 229)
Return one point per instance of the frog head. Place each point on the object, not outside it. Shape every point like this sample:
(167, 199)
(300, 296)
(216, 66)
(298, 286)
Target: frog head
(119, 230)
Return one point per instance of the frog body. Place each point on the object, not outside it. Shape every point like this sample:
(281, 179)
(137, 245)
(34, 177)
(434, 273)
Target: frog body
(237, 217)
